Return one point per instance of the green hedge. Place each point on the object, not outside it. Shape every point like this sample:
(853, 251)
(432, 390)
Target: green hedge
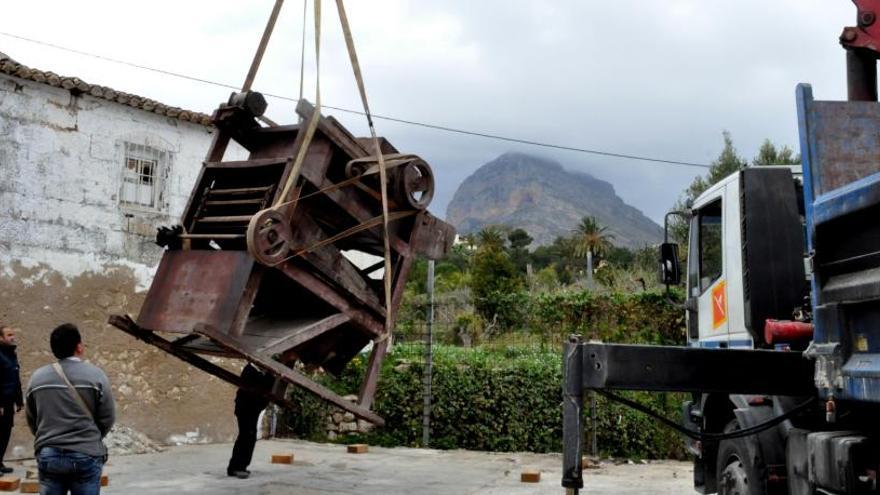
(509, 399)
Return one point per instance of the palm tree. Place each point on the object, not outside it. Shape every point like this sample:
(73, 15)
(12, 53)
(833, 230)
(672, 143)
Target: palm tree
(591, 239)
(490, 238)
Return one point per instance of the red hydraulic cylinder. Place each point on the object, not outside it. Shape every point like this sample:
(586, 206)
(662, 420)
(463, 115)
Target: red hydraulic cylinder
(786, 331)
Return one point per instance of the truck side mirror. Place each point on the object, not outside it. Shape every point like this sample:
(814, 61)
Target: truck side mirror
(670, 271)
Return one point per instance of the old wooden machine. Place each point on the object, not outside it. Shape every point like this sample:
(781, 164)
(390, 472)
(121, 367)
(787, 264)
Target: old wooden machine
(269, 262)
(277, 285)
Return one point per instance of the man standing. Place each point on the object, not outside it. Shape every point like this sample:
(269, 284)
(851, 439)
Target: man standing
(69, 409)
(248, 406)
(10, 389)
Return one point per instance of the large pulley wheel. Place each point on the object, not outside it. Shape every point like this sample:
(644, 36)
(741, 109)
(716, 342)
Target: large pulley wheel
(414, 186)
(269, 237)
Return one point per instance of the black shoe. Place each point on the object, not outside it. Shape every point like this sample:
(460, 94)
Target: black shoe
(5, 470)
(242, 474)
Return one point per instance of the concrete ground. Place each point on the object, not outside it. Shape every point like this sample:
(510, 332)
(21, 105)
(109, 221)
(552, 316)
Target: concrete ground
(326, 469)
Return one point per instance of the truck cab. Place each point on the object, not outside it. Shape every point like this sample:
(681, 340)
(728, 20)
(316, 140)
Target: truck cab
(745, 258)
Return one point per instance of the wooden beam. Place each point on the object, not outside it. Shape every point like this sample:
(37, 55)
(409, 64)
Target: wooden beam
(130, 327)
(287, 374)
(362, 319)
(303, 335)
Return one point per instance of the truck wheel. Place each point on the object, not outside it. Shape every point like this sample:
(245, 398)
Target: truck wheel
(735, 471)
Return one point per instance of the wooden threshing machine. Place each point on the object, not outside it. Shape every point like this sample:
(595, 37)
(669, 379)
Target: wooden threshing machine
(268, 264)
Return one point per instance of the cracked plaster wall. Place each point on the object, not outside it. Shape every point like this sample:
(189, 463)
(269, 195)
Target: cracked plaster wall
(70, 252)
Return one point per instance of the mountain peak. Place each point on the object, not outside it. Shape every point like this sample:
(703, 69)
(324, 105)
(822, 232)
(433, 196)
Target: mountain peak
(539, 195)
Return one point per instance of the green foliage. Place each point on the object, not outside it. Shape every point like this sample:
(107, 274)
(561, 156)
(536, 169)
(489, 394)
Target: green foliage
(590, 237)
(728, 162)
(507, 398)
(495, 283)
(490, 239)
(519, 240)
(641, 318)
(620, 257)
(768, 154)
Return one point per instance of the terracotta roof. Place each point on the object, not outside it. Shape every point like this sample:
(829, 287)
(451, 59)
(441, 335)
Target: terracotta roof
(78, 86)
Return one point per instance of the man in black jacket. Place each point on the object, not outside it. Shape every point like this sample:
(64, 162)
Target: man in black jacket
(10, 389)
(248, 406)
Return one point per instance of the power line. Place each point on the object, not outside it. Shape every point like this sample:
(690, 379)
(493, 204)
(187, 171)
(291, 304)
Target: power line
(436, 127)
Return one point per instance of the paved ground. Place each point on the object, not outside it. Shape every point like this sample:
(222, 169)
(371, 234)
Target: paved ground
(326, 469)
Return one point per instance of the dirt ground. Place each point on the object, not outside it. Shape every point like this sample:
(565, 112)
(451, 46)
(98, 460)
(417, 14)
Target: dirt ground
(326, 469)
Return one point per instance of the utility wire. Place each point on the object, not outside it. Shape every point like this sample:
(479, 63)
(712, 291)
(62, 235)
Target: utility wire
(436, 127)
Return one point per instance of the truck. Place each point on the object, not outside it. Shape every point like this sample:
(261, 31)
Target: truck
(782, 280)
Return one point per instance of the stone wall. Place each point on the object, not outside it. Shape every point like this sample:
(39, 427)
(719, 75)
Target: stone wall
(70, 253)
(341, 423)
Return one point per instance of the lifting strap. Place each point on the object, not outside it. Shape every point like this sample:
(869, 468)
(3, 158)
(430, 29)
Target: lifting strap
(292, 178)
(383, 180)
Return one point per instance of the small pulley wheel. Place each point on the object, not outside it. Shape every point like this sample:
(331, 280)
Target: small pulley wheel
(414, 185)
(269, 237)
(355, 168)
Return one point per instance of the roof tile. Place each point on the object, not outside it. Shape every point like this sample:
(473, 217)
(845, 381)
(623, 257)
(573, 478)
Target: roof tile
(11, 67)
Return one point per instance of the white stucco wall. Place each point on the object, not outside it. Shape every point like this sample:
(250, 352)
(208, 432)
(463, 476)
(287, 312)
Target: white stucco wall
(61, 162)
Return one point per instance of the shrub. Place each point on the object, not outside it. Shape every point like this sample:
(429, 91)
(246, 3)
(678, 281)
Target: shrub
(497, 400)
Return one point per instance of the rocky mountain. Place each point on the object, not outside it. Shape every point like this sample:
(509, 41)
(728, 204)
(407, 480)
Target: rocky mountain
(540, 196)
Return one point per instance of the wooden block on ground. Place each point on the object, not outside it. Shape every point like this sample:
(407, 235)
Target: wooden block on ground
(530, 476)
(9, 483)
(105, 480)
(282, 458)
(358, 448)
(30, 486)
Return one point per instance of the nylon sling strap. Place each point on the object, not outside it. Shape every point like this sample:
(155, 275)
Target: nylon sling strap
(313, 121)
(355, 65)
(79, 400)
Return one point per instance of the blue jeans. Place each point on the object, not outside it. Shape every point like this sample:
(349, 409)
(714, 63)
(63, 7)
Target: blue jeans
(61, 471)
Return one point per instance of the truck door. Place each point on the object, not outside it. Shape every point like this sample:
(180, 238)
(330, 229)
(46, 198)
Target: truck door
(707, 284)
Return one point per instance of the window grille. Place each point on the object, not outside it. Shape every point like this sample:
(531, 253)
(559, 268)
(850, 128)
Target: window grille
(144, 174)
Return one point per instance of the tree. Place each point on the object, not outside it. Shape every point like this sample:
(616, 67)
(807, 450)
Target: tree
(728, 162)
(591, 239)
(490, 238)
(620, 257)
(495, 281)
(519, 240)
(768, 154)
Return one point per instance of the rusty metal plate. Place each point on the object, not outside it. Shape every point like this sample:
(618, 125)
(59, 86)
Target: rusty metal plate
(433, 237)
(193, 287)
(847, 143)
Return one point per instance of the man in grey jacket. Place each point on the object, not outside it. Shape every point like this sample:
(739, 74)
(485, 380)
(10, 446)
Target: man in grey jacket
(69, 431)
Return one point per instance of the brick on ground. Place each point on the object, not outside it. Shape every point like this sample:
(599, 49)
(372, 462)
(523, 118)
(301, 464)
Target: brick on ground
(30, 486)
(530, 476)
(358, 448)
(9, 483)
(282, 458)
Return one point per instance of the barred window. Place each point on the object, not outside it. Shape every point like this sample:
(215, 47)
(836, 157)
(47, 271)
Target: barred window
(143, 176)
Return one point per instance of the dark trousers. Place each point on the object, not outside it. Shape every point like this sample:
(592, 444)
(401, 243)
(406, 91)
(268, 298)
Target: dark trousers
(243, 450)
(5, 427)
(63, 471)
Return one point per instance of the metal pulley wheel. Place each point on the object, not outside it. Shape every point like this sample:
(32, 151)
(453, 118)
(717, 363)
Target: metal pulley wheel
(356, 168)
(269, 237)
(414, 185)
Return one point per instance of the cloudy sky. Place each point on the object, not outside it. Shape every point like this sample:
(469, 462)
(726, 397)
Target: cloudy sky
(660, 78)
